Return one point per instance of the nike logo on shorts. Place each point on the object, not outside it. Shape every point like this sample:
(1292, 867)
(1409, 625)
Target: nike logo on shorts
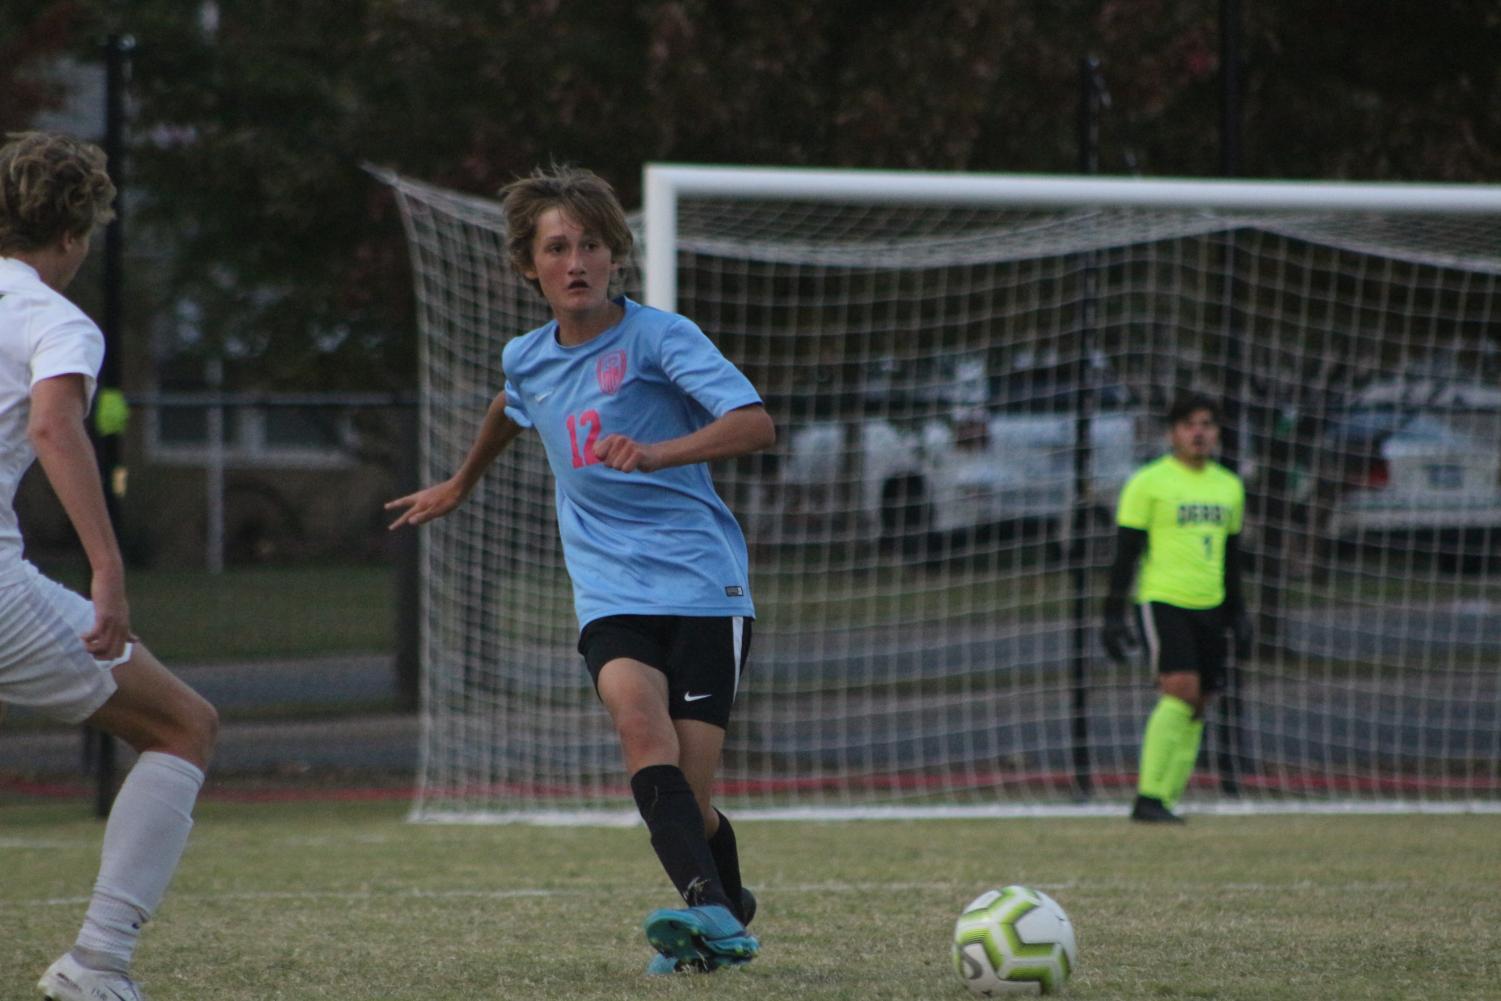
(690, 697)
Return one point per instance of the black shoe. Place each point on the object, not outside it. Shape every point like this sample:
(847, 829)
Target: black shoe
(1151, 811)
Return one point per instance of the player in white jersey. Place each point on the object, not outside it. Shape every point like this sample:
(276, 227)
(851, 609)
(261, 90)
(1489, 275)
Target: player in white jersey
(630, 404)
(66, 656)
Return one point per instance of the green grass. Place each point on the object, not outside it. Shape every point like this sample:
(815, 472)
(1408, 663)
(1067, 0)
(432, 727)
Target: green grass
(314, 901)
(256, 612)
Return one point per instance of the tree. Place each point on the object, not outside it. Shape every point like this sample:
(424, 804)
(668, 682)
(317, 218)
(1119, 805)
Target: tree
(30, 39)
(251, 120)
(1399, 91)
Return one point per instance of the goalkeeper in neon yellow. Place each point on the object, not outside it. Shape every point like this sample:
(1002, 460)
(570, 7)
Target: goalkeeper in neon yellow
(1179, 522)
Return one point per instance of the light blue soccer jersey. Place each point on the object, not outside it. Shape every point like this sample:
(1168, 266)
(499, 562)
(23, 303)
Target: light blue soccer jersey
(661, 543)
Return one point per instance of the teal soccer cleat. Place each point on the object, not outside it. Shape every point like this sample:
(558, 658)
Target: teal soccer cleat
(662, 965)
(698, 938)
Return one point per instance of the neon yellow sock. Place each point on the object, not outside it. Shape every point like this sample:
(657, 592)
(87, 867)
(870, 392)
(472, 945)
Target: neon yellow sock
(1166, 728)
(1181, 768)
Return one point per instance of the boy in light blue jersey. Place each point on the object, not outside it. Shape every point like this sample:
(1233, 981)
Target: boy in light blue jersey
(631, 404)
(657, 544)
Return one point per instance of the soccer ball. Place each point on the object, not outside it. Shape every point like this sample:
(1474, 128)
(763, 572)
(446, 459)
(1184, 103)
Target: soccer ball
(1015, 940)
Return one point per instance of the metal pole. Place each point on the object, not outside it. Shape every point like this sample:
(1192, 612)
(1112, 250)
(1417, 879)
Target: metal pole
(1232, 736)
(213, 471)
(1076, 555)
(1230, 111)
(408, 584)
(670, 182)
(107, 446)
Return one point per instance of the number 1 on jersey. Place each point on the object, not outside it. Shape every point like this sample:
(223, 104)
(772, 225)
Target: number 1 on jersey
(585, 456)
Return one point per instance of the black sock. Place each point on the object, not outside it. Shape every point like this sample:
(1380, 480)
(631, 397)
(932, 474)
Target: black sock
(677, 834)
(727, 860)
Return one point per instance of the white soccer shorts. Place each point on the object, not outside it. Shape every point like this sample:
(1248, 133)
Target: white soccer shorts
(43, 662)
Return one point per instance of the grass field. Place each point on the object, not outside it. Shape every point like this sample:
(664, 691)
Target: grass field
(188, 616)
(346, 901)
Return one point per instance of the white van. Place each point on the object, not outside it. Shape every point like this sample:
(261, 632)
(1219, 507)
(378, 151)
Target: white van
(961, 452)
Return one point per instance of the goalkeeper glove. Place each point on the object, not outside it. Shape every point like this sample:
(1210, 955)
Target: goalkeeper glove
(1117, 636)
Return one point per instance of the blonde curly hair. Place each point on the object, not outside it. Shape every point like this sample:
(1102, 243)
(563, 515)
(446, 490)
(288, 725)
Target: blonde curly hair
(51, 186)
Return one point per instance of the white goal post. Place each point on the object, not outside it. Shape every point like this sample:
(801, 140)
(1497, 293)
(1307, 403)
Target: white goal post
(664, 184)
(963, 369)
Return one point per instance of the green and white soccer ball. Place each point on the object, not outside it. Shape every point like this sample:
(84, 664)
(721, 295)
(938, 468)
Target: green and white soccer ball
(1015, 940)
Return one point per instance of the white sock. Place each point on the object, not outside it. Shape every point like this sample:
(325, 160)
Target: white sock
(143, 841)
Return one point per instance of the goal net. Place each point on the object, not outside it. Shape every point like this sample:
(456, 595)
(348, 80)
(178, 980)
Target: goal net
(963, 370)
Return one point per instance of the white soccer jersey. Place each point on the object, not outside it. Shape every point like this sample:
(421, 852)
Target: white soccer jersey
(42, 335)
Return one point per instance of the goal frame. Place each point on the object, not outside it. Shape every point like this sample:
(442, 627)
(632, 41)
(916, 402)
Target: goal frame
(664, 184)
(472, 298)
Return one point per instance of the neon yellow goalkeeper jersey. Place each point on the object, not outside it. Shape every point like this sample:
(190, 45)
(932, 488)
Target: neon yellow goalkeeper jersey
(1187, 515)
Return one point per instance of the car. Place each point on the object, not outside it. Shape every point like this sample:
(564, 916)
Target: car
(945, 451)
(1421, 467)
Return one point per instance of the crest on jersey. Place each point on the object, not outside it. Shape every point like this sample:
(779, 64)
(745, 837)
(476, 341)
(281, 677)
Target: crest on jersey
(610, 371)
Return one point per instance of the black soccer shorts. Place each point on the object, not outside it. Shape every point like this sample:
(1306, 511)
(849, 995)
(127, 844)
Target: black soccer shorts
(703, 657)
(1186, 639)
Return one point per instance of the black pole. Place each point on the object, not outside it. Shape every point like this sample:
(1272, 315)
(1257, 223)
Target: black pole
(1232, 762)
(116, 50)
(108, 440)
(1090, 87)
(1230, 112)
(1090, 96)
(408, 579)
(1230, 166)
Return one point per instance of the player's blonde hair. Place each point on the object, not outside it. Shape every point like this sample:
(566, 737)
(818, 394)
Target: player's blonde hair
(584, 196)
(51, 186)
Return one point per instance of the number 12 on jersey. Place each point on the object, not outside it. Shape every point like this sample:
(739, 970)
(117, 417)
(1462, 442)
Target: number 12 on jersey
(589, 423)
